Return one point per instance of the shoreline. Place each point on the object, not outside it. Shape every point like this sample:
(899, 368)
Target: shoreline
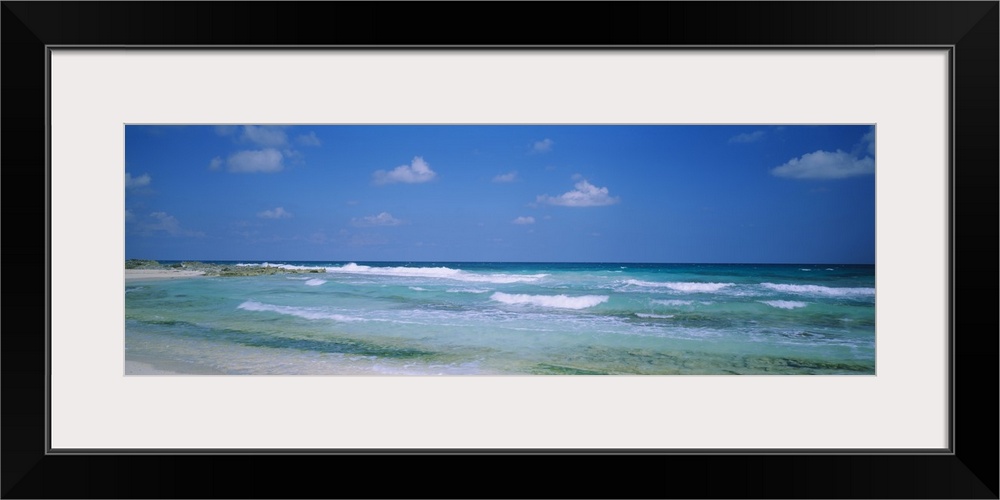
(144, 365)
(140, 368)
(131, 274)
(155, 270)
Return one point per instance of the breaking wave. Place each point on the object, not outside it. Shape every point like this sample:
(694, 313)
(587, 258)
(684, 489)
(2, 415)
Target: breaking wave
(557, 301)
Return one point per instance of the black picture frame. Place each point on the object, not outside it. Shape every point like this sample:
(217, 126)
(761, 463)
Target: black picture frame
(968, 470)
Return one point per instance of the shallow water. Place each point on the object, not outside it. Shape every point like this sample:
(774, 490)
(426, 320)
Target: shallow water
(511, 319)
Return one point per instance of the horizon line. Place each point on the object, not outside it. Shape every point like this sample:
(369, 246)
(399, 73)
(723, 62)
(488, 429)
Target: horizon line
(278, 261)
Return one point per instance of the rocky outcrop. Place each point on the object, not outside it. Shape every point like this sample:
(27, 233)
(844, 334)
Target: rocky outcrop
(210, 269)
(142, 264)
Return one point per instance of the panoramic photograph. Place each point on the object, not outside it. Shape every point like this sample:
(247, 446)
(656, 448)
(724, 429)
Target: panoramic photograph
(499, 250)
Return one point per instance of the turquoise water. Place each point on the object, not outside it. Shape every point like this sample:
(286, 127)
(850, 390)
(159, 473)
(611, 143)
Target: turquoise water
(510, 319)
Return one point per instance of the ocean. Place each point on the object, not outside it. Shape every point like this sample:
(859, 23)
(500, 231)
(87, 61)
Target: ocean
(508, 319)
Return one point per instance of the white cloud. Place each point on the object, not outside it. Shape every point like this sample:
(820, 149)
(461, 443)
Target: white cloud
(833, 164)
(747, 137)
(585, 195)
(273, 145)
(826, 165)
(308, 140)
(523, 220)
(868, 141)
(417, 171)
(129, 216)
(164, 222)
(292, 154)
(508, 177)
(265, 160)
(161, 222)
(135, 182)
(277, 213)
(542, 146)
(268, 137)
(382, 219)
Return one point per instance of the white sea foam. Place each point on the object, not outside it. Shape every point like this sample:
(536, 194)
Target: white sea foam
(648, 284)
(409, 272)
(468, 290)
(315, 282)
(805, 269)
(674, 302)
(301, 312)
(820, 290)
(418, 289)
(784, 304)
(680, 286)
(657, 316)
(698, 287)
(558, 301)
(435, 272)
(280, 266)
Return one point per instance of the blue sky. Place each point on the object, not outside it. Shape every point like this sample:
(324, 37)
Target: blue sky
(490, 193)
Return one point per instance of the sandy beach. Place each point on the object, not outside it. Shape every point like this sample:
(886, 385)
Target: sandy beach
(160, 273)
(139, 368)
(152, 366)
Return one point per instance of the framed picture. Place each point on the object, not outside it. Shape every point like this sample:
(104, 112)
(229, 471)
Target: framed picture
(908, 89)
(681, 251)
